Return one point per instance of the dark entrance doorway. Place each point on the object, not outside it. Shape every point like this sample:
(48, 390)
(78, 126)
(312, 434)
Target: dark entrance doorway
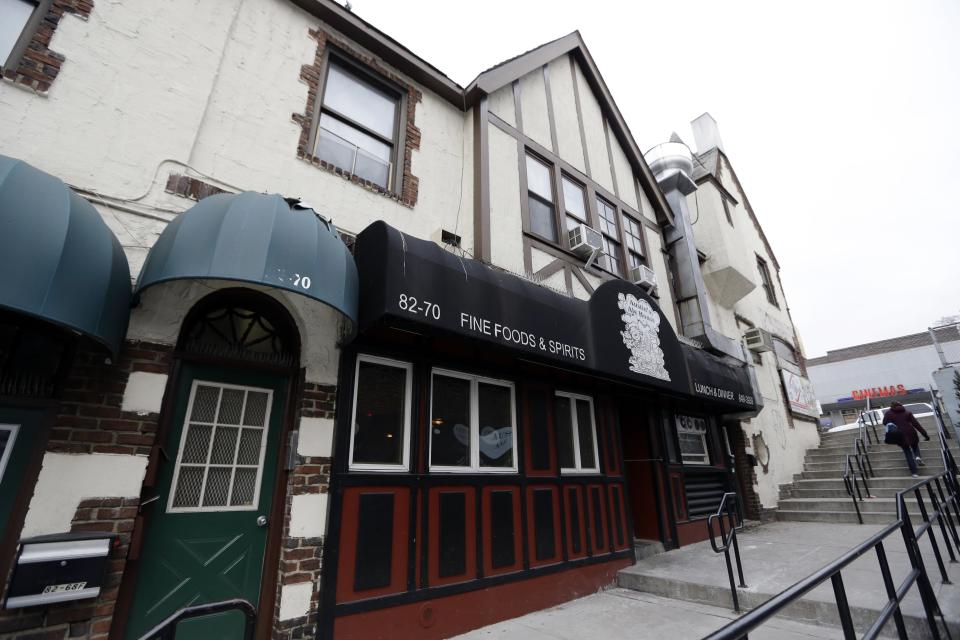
(642, 464)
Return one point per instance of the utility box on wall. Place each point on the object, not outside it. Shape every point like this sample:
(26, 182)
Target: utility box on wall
(59, 568)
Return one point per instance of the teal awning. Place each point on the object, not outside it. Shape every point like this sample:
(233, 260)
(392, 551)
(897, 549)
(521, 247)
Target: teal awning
(261, 239)
(58, 260)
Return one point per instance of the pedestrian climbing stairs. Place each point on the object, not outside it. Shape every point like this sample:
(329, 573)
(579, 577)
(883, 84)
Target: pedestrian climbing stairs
(819, 494)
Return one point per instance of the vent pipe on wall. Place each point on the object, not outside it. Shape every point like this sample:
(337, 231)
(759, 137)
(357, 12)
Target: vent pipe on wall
(672, 165)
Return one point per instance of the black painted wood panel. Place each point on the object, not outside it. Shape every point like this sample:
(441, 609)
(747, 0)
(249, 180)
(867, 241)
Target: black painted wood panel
(573, 497)
(374, 542)
(597, 518)
(538, 403)
(453, 534)
(618, 513)
(501, 529)
(544, 534)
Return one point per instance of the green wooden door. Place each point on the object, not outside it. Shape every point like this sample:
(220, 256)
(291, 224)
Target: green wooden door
(204, 542)
(19, 436)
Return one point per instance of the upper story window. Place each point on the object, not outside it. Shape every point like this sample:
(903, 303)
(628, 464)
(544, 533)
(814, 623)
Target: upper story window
(611, 259)
(472, 423)
(785, 351)
(633, 238)
(543, 217)
(358, 128)
(14, 18)
(557, 202)
(574, 202)
(767, 281)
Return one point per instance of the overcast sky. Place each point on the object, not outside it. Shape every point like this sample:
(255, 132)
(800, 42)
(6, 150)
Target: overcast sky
(841, 119)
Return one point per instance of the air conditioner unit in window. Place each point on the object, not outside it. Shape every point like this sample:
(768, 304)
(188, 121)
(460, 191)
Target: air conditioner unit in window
(758, 340)
(643, 276)
(584, 241)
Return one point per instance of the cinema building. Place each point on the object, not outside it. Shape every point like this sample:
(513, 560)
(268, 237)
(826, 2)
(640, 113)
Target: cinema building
(299, 321)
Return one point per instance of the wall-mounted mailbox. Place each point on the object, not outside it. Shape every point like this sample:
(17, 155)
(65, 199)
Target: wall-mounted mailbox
(59, 568)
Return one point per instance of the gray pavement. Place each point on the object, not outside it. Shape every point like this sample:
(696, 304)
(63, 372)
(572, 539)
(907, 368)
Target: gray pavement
(685, 593)
(623, 614)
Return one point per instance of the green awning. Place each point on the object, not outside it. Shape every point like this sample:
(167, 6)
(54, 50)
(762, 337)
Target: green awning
(261, 239)
(58, 260)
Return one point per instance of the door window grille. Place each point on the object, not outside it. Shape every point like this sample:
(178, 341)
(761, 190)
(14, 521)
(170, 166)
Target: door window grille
(220, 461)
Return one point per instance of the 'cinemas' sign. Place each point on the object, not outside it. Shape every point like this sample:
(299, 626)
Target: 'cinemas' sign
(880, 392)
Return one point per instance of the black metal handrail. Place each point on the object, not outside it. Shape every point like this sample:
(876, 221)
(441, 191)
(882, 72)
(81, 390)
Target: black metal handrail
(167, 630)
(939, 514)
(728, 512)
(853, 478)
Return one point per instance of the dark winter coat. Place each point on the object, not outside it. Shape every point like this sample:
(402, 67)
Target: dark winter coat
(907, 424)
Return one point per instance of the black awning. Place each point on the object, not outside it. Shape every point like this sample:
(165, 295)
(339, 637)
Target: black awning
(60, 262)
(620, 332)
(260, 239)
(715, 380)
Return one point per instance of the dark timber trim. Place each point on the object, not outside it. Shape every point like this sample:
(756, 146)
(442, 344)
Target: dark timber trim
(517, 104)
(553, 122)
(481, 181)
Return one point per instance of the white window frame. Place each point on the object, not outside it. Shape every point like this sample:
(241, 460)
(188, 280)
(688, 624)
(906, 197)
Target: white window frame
(407, 400)
(574, 426)
(475, 466)
(14, 429)
(703, 438)
(183, 441)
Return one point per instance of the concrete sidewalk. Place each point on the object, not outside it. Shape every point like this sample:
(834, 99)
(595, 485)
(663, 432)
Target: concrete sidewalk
(685, 593)
(777, 555)
(623, 614)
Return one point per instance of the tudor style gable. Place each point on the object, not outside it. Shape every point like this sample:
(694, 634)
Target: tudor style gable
(555, 153)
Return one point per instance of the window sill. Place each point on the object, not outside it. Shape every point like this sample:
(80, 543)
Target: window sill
(346, 175)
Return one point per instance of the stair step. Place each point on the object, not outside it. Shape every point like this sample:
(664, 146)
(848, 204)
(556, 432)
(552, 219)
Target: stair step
(880, 472)
(785, 515)
(867, 505)
(899, 482)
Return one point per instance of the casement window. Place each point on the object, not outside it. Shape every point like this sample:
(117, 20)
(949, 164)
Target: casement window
(18, 21)
(767, 281)
(472, 423)
(382, 395)
(576, 433)
(574, 203)
(692, 436)
(358, 127)
(557, 202)
(540, 200)
(611, 257)
(8, 437)
(785, 351)
(633, 240)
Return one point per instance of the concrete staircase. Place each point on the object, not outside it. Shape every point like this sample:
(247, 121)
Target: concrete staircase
(818, 494)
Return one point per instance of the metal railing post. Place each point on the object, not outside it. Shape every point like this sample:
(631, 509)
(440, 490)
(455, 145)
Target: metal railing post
(891, 590)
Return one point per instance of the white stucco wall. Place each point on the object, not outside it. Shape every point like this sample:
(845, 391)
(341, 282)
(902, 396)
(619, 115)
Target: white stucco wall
(501, 104)
(533, 108)
(159, 317)
(593, 132)
(121, 117)
(506, 228)
(565, 112)
(65, 479)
